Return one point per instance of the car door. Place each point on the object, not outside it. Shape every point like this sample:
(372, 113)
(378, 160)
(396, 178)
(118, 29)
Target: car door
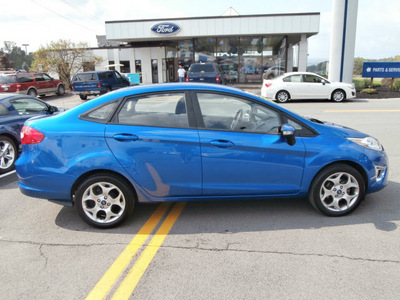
(151, 137)
(316, 86)
(296, 87)
(242, 151)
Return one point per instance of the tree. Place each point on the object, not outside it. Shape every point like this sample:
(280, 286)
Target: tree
(16, 57)
(63, 57)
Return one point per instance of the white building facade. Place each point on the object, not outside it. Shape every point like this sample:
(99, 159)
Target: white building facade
(244, 46)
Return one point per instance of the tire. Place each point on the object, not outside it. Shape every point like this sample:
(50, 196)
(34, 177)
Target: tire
(282, 96)
(338, 95)
(82, 96)
(60, 90)
(104, 201)
(32, 92)
(337, 190)
(8, 154)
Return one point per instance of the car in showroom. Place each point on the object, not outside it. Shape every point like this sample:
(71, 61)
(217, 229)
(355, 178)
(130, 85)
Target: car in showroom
(191, 142)
(305, 85)
(14, 111)
(31, 84)
(205, 72)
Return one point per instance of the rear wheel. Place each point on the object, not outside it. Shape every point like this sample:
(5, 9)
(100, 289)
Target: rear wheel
(282, 96)
(104, 201)
(32, 92)
(8, 154)
(82, 96)
(337, 190)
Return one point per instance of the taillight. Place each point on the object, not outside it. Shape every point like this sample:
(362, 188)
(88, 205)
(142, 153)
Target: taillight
(187, 78)
(268, 84)
(18, 87)
(31, 136)
(72, 87)
(217, 78)
(99, 84)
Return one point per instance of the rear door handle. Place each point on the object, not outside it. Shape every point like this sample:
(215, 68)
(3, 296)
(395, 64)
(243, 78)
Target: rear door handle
(222, 143)
(125, 137)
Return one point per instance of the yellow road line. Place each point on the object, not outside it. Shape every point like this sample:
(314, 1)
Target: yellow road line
(364, 110)
(105, 284)
(131, 280)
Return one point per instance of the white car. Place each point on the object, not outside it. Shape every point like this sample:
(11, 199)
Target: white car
(305, 85)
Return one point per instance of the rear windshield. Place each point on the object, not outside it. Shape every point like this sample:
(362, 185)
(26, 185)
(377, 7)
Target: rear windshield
(202, 68)
(85, 77)
(8, 79)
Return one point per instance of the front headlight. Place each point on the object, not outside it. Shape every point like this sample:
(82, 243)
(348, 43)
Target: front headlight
(367, 142)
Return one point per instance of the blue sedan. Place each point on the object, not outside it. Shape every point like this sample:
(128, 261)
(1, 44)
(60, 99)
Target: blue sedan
(189, 142)
(14, 111)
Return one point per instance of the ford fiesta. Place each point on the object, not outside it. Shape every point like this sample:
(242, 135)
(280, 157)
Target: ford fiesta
(189, 142)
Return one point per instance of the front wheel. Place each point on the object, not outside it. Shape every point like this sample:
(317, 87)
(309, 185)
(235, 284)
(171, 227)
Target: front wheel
(337, 190)
(338, 96)
(8, 154)
(104, 201)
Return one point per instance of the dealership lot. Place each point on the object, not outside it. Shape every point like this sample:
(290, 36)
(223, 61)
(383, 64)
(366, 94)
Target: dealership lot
(213, 250)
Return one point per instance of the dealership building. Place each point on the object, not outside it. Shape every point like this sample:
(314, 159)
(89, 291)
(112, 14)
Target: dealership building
(244, 46)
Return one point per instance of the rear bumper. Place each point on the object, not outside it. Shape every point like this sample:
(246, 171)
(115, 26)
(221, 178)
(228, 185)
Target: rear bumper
(88, 93)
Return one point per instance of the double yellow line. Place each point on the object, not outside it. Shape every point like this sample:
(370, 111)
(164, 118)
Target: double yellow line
(125, 289)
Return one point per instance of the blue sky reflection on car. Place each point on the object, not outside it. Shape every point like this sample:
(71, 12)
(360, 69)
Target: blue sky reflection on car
(190, 142)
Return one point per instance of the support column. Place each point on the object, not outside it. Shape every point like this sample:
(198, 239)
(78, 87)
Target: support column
(343, 39)
(289, 62)
(303, 49)
(117, 60)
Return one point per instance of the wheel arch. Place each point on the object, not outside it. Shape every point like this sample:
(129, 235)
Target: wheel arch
(105, 172)
(352, 164)
(32, 88)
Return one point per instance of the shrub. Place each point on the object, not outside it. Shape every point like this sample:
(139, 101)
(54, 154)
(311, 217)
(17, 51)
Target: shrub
(369, 91)
(396, 85)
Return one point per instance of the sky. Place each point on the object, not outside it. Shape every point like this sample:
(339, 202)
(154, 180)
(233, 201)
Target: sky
(39, 22)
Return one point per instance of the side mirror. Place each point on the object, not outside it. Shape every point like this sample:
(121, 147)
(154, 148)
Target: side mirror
(288, 132)
(52, 109)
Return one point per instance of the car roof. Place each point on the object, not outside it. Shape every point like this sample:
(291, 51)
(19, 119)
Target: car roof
(300, 73)
(9, 96)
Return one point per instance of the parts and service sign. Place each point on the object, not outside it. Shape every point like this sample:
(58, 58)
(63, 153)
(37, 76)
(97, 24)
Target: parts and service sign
(381, 69)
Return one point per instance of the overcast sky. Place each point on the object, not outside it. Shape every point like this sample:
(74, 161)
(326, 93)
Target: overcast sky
(38, 22)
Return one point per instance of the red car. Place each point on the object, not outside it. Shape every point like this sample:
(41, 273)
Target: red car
(32, 84)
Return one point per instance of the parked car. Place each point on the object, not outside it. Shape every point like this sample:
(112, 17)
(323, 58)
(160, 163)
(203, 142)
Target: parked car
(31, 84)
(305, 85)
(14, 111)
(205, 72)
(97, 83)
(191, 142)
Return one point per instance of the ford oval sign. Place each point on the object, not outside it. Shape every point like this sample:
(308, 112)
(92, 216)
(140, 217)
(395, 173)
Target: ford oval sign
(165, 28)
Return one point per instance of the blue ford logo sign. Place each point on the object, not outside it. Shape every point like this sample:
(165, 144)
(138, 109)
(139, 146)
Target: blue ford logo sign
(165, 28)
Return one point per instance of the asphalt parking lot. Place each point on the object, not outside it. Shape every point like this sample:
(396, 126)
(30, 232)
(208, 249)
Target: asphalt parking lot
(272, 249)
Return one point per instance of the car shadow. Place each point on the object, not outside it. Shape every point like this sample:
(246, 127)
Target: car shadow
(354, 100)
(381, 209)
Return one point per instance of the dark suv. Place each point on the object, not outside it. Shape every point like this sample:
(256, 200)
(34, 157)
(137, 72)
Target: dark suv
(97, 83)
(205, 72)
(32, 84)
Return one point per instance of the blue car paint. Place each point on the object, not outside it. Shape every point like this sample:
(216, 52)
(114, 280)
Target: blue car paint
(71, 155)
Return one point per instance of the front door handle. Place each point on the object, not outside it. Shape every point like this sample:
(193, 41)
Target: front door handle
(222, 143)
(125, 137)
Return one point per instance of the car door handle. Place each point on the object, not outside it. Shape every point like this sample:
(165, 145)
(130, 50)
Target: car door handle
(222, 143)
(125, 137)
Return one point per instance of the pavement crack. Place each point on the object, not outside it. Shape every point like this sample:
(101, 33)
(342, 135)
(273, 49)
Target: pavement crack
(227, 248)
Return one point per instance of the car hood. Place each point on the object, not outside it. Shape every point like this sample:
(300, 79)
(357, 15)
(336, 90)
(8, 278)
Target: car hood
(332, 129)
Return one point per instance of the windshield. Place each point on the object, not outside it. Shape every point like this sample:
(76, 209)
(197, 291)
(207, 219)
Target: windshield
(85, 77)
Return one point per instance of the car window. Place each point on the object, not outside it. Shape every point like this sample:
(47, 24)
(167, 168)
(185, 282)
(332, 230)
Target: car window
(117, 75)
(29, 106)
(312, 78)
(3, 110)
(46, 77)
(39, 77)
(293, 78)
(161, 110)
(209, 68)
(8, 79)
(100, 114)
(23, 78)
(226, 112)
(85, 77)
